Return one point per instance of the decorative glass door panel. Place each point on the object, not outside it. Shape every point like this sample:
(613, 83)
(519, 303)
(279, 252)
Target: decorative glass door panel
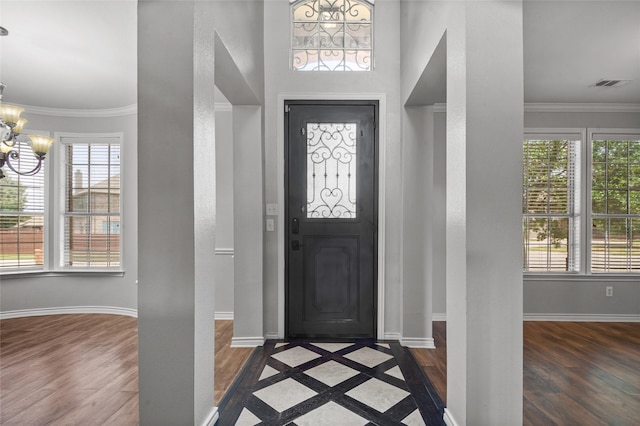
(331, 170)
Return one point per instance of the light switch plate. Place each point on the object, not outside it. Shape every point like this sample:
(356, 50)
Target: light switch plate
(272, 209)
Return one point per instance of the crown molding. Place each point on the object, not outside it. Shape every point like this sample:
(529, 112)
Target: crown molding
(99, 113)
(581, 107)
(566, 107)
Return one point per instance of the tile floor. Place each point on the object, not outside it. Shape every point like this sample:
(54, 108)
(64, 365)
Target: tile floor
(301, 383)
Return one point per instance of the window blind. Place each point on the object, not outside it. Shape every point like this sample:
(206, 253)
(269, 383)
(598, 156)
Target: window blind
(22, 207)
(92, 203)
(550, 205)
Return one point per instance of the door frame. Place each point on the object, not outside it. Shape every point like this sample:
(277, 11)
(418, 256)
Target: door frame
(381, 98)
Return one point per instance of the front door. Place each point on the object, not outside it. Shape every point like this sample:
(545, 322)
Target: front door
(331, 216)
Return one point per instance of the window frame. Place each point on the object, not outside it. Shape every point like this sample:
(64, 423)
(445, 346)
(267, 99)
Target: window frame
(293, 4)
(48, 165)
(577, 216)
(609, 134)
(59, 197)
(583, 192)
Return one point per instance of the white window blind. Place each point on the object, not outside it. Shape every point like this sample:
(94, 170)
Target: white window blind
(92, 203)
(550, 205)
(615, 203)
(22, 206)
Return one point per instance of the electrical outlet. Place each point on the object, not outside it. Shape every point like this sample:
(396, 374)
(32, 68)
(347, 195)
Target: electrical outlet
(609, 291)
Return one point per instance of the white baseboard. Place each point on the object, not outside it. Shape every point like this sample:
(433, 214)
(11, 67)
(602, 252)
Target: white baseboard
(418, 342)
(392, 336)
(272, 336)
(583, 317)
(246, 342)
(224, 316)
(20, 313)
(212, 417)
(568, 317)
(448, 418)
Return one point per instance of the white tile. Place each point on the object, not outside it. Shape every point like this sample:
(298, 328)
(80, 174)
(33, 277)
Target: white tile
(279, 345)
(395, 372)
(285, 394)
(268, 372)
(295, 356)
(247, 418)
(330, 414)
(384, 345)
(414, 419)
(332, 347)
(377, 394)
(331, 373)
(369, 357)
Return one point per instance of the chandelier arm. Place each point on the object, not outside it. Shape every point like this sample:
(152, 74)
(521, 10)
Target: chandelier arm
(13, 155)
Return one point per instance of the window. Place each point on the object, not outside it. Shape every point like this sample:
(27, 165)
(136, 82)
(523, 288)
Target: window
(549, 204)
(91, 203)
(22, 209)
(615, 203)
(332, 35)
(581, 202)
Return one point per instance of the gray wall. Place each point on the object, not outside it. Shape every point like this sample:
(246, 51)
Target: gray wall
(224, 212)
(69, 290)
(384, 79)
(547, 297)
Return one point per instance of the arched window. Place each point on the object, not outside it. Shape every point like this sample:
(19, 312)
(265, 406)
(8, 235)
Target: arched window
(332, 35)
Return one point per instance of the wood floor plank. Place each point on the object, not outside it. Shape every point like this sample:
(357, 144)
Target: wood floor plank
(83, 369)
(76, 369)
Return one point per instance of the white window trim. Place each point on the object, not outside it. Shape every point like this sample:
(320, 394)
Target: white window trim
(609, 133)
(584, 193)
(59, 202)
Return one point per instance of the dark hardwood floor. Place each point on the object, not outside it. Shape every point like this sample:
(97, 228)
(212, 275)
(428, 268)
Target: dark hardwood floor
(574, 373)
(82, 370)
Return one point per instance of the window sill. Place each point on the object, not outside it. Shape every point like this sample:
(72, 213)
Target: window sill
(62, 273)
(597, 277)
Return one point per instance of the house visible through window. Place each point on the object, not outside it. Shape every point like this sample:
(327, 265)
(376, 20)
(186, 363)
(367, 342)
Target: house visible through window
(22, 206)
(565, 176)
(92, 204)
(332, 35)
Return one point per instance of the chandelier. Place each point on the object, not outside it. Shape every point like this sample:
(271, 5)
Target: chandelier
(11, 125)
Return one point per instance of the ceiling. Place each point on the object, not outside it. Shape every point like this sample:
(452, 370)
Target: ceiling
(82, 54)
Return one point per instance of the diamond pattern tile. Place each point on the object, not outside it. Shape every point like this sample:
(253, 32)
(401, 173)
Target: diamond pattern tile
(330, 414)
(378, 394)
(285, 394)
(247, 418)
(369, 357)
(414, 419)
(331, 373)
(395, 372)
(331, 389)
(268, 372)
(296, 356)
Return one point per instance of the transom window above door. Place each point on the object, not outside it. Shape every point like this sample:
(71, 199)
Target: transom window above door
(332, 35)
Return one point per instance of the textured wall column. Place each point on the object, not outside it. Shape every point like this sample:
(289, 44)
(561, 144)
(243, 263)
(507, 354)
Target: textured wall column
(248, 328)
(484, 174)
(417, 277)
(176, 215)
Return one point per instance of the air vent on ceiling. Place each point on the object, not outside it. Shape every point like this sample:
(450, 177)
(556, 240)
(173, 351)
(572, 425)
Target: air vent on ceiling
(610, 83)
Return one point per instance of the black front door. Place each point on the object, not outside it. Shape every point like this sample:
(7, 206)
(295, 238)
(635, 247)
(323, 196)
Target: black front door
(331, 216)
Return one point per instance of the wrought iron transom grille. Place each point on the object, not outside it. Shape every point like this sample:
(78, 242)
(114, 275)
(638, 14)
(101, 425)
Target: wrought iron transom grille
(331, 170)
(332, 35)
